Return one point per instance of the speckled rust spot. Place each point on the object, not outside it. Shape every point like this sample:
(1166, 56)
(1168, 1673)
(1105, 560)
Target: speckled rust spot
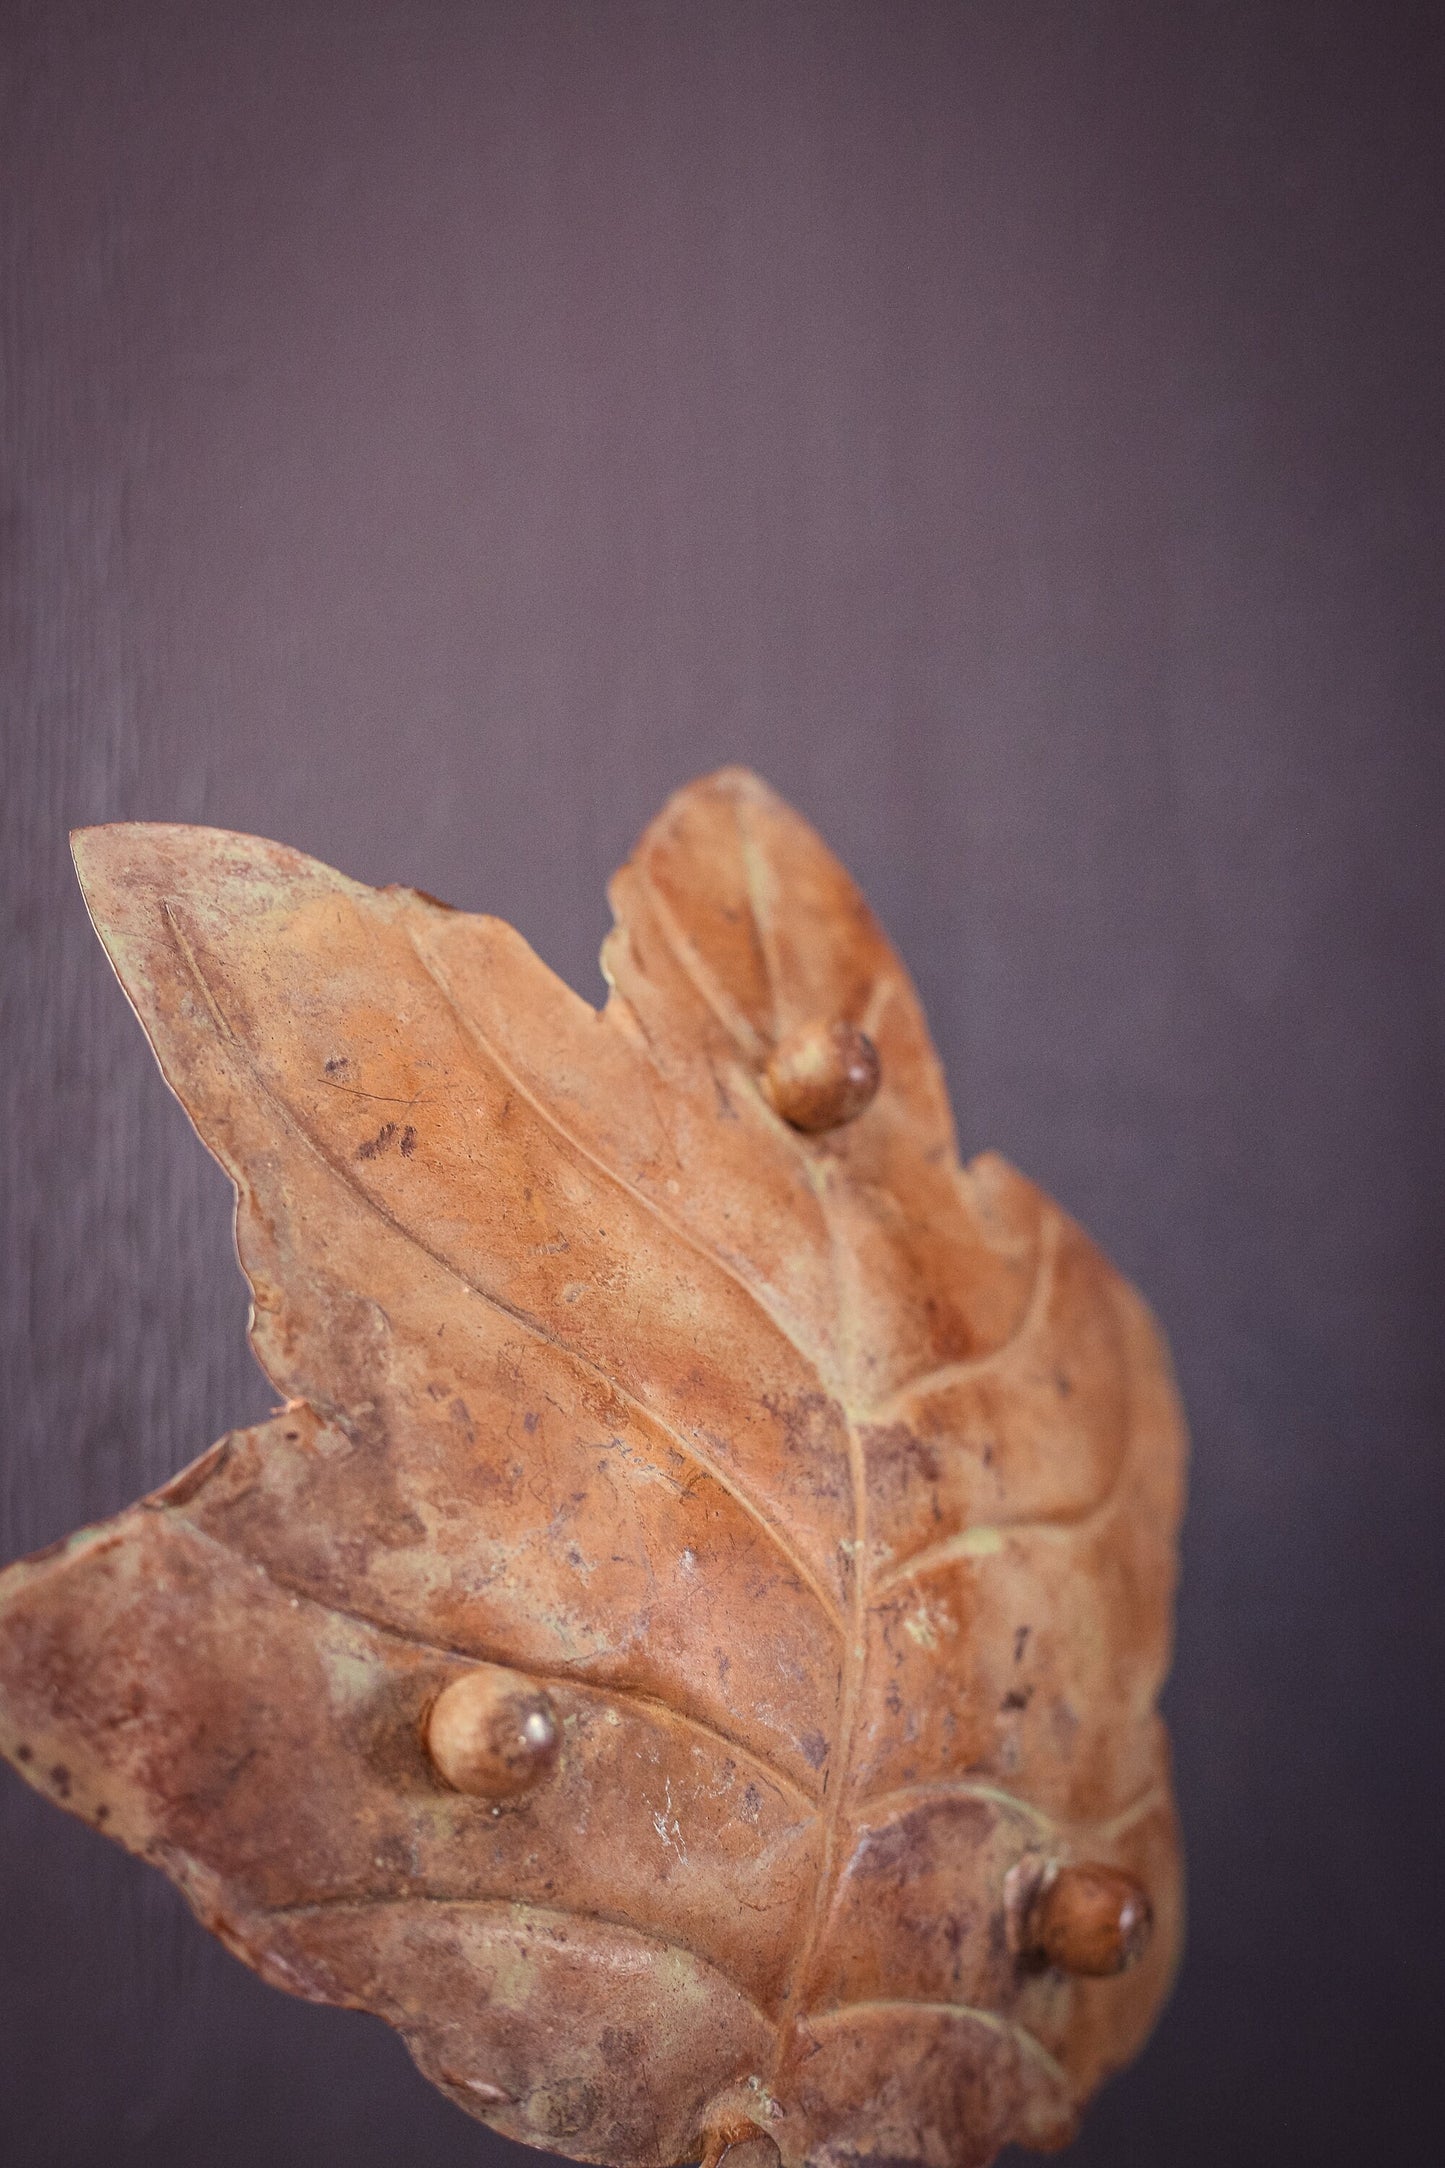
(704, 1567)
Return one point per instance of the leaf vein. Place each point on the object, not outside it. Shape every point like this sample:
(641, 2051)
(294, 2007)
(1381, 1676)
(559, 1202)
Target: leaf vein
(971, 2012)
(556, 1674)
(719, 1004)
(942, 1375)
(879, 1805)
(376, 1901)
(344, 1176)
(436, 972)
(1057, 1528)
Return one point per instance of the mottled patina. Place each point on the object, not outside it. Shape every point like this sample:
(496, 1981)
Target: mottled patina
(685, 1651)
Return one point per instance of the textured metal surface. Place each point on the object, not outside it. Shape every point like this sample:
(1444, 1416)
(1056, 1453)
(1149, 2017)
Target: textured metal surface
(432, 435)
(831, 1486)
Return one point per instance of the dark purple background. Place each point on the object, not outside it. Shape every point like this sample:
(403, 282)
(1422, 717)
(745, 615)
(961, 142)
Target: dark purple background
(437, 430)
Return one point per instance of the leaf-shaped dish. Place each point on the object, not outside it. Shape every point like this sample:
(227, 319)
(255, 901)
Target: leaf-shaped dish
(659, 1386)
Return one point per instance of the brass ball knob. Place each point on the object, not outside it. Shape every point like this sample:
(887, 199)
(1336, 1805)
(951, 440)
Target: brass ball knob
(492, 1733)
(1090, 1920)
(822, 1075)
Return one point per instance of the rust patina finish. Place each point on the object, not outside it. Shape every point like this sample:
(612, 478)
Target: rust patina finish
(685, 1651)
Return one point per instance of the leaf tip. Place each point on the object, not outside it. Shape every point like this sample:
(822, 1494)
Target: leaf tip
(93, 849)
(111, 853)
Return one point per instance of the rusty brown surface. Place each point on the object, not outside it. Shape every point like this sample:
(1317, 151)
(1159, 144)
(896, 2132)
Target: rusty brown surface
(823, 1494)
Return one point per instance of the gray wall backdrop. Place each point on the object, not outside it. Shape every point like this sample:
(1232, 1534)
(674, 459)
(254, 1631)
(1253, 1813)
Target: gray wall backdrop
(434, 432)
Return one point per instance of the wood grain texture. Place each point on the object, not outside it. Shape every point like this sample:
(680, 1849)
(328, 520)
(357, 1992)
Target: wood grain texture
(831, 1488)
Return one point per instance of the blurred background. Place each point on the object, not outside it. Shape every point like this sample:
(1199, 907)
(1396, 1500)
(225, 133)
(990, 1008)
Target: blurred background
(435, 431)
